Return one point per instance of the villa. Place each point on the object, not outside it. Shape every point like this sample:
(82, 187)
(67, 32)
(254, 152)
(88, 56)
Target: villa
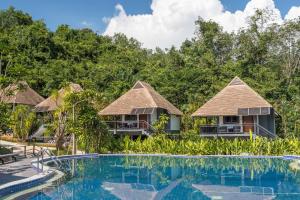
(236, 111)
(138, 109)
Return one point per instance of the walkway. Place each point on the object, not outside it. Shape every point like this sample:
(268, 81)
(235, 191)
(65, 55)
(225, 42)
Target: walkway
(16, 170)
(22, 168)
(13, 171)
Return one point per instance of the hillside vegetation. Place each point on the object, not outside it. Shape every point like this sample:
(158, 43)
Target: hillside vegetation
(266, 57)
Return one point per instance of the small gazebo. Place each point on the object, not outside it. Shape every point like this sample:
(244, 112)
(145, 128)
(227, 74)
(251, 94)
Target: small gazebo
(20, 93)
(53, 102)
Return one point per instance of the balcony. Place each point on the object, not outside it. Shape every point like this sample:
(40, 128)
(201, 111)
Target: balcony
(234, 130)
(227, 130)
(137, 127)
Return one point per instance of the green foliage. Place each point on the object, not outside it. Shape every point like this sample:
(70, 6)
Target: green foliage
(203, 146)
(83, 120)
(161, 123)
(4, 117)
(22, 121)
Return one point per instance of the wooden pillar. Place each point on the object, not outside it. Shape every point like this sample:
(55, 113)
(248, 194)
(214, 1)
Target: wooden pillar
(33, 148)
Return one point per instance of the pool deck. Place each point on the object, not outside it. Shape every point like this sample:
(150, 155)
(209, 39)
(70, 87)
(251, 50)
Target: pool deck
(14, 171)
(21, 169)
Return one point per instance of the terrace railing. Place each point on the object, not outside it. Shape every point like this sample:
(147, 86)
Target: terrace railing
(264, 132)
(235, 129)
(130, 125)
(221, 129)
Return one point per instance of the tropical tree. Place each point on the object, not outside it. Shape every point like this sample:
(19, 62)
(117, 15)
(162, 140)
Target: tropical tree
(22, 121)
(86, 124)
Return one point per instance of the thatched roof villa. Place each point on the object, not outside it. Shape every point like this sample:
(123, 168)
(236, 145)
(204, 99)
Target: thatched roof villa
(136, 110)
(20, 93)
(236, 110)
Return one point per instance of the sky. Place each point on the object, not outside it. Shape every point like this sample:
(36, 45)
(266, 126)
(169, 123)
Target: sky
(161, 23)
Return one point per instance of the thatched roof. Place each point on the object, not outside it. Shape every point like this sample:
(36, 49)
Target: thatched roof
(20, 93)
(142, 95)
(236, 95)
(54, 101)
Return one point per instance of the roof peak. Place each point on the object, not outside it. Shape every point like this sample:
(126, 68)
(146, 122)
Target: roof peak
(138, 85)
(141, 84)
(74, 87)
(236, 81)
(19, 83)
(22, 82)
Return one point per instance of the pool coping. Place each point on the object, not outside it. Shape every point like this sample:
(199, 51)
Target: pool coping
(203, 156)
(45, 174)
(48, 172)
(16, 186)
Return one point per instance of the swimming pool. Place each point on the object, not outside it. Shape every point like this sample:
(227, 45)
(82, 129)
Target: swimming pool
(163, 177)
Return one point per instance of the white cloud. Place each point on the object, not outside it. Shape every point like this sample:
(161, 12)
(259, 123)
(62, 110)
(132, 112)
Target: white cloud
(86, 24)
(106, 20)
(293, 13)
(173, 21)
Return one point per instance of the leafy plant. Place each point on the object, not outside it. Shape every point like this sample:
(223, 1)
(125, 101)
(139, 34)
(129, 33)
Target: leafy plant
(205, 146)
(22, 121)
(161, 123)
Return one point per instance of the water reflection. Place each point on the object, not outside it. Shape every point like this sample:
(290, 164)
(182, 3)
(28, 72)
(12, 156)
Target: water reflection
(146, 177)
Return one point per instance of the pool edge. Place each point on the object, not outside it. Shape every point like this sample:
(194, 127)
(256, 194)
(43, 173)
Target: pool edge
(46, 173)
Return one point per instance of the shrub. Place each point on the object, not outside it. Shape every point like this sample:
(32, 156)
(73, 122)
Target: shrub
(204, 146)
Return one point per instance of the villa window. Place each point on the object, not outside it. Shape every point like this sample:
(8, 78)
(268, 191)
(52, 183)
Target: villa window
(231, 119)
(130, 117)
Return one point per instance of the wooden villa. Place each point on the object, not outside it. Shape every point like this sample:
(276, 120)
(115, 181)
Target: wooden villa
(138, 109)
(54, 101)
(236, 111)
(20, 94)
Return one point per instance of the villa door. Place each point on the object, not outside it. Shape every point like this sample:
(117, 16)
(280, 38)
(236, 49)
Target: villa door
(248, 124)
(143, 121)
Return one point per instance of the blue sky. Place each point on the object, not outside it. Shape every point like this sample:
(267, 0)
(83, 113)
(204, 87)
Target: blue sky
(75, 12)
(80, 13)
(155, 23)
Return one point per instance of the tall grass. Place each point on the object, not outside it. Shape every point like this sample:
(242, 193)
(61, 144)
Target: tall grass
(205, 146)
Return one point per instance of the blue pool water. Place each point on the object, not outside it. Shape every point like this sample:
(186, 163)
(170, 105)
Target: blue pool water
(160, 177)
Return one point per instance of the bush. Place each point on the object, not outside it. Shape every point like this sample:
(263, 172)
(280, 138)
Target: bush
(203, 146)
